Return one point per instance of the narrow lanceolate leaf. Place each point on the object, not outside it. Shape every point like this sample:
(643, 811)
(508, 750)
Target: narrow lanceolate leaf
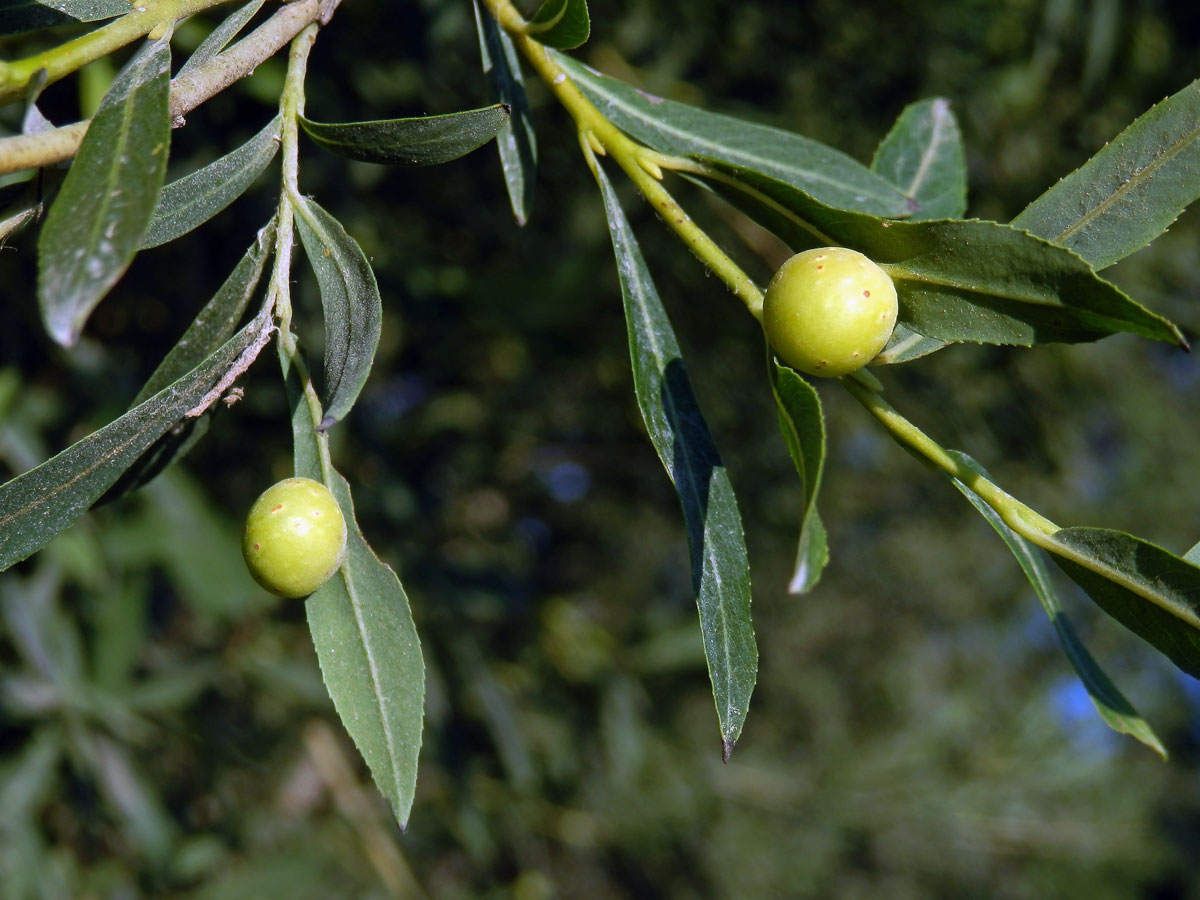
(720, 568)
(923, 156)
(36, 506)
(365, 638)
(217, 320)
(1149, 590)
(1127, 194)
(957, 280)
(219, 38)
(420, 141)
(214, 325)
(515, 140)
(1193, 555)
(351, 303)
(1110, 703)
(192, 200)
(561, 23)
(803, 427)
(97, 222)
(670, 127)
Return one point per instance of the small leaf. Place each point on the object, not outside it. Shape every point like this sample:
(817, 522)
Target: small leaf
(1193, 555)
(561, 23)
(516, 140)
(365, 637)
(38, 504)
(218, 39)
(923, 156)
(720, 567)
(1110, 703)
(352, 306)
(957, 280)
(1127, 194)
(1149, 590)
(670, 127)
(193, 199)
(906, 345)
(97, 222)
(803, 427)
(420, 141)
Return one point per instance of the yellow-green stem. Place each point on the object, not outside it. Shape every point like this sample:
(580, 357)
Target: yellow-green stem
(64, 59)
(1016, 515)
(638, 162)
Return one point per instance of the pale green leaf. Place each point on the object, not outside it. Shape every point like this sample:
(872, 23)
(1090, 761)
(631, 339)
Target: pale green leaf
(923, 156)
(720, 567)
(1131, 191)
(365, 638)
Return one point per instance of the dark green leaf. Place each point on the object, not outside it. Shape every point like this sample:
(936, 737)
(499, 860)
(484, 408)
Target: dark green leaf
(27, 15)
(219, 38)
(192, 200)
(516, 140)
(1150, 591)
(217, 320)
(561, 23)
(1127, 194)
(211, 328)
(803, 427)
(957, 280)
(670, 127)
(352, 306)
(97, 222)
(1116, 711)
(923, 156)
(720, 568)
(365, 638)
(37, 505)
(421, 141)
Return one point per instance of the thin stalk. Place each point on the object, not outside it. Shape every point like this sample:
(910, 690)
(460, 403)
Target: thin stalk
(291, 107)
(638, 162)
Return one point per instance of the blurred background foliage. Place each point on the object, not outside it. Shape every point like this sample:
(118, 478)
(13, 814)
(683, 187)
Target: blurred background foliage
(915, 732)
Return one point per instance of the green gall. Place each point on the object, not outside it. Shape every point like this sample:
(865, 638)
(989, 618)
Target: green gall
(295, 537)
(829, 311)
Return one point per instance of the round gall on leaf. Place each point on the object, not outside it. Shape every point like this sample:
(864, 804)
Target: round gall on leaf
(295, 537)
(829, 311)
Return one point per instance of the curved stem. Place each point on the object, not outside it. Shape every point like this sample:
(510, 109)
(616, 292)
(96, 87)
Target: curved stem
(638, 162)
(29, 151)
(1026, 522)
